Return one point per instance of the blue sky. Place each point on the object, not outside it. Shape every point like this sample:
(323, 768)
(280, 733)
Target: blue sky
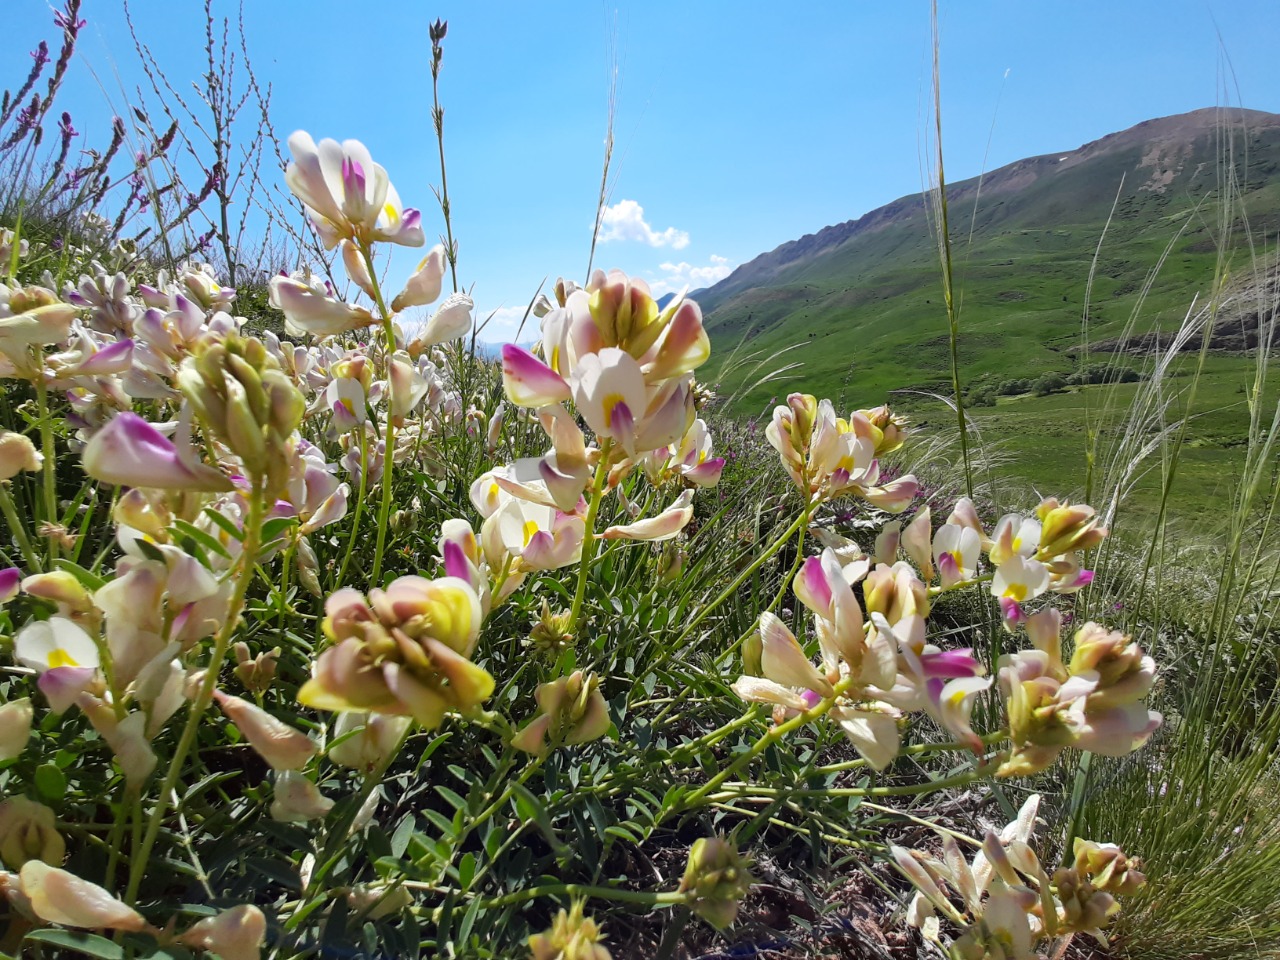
(738, 126)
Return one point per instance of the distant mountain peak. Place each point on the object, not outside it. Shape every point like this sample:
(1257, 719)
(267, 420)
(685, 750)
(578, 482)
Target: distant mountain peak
(859, 304)
(1169, 140)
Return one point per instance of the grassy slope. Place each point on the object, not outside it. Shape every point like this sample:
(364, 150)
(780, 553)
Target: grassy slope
(869, 321)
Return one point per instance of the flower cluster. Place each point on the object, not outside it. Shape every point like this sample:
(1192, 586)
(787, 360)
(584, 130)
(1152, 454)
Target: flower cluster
(1094, 702)
(878, 665)
(627, 366)
(871, 672)
(1008, 903)
(828, 456)
(406, 650)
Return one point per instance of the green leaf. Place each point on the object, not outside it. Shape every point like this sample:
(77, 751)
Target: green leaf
(275, 528)
(451, 797)
(89, 944)
(90, 580)
(617, 830)
(442, 823)
(466, 871)
(492, 842)
(400, 839)
(281, 873)
(225, 523)
(51, 782)
(202, 537)
(530, 808)
(468, 919)
(151, 551)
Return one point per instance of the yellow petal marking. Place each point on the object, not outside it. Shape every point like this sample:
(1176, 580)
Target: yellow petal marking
(60, 658)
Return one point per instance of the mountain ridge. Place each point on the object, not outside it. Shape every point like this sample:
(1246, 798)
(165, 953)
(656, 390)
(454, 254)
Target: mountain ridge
(998, 180)
(1045, 212)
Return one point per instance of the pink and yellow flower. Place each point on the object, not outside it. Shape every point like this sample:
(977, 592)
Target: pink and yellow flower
(405, 651)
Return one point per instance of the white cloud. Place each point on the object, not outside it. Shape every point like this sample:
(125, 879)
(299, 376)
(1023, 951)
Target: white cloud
(625, 221)
(676, 276)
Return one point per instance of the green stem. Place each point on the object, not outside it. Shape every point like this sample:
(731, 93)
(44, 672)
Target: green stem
(672, 648)
(714, 737)
(115, 842)
(589, 540)
(355, 520)
(948, 280)
(748, 790)
(338, 835)
(771, 736)
(46, 449)
(646, 897)
(795, 568)
(249, 550)
(286, 608)
(913, 750)
(19, 531)
(801, 523)
(437, 116)
(961, 584)
(389, 435)
(489, 811)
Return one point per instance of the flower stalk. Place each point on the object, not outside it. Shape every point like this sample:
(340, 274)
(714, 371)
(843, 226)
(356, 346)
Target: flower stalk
(589, 541)
(389, 435)
(222, 643)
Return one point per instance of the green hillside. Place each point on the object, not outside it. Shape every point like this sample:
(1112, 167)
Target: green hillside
(860, 304)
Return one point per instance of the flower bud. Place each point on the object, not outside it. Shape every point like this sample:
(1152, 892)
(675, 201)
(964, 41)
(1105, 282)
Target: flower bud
(671, 562)
(542, 306)
(715, 880)
(1107, 867)
(235, 934)
(572, 711)
(35, 315)
(551, 633)
(243, 396)
(1065, 528)
(887, 542)
(61, 588)
(144, 510)
(28, 832)
(895, 592)
(373, 901)
(573, 936)
(357, 269)
(804, 413)
(15, 728)
(450, 321)
(283, 747)
(60, 897)
(752, 653)
(367, 739)
(917, 542)
(17, 453)
(424, 286)
(1125, 674)
(403, 522)
(10, 582)
(297, 799)
(127, 738)
(493, 437)
(623, 310)
(889, 431)
(563, 289)
(1083, 906)
(256, 673)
